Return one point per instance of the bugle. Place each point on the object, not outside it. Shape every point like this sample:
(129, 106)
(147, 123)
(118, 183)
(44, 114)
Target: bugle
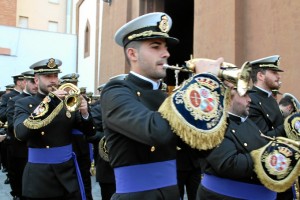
(229, 72)
(72, 99)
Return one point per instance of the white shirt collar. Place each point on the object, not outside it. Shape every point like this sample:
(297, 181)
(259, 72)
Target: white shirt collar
(243, 119)
(154, 84)
(266, 91)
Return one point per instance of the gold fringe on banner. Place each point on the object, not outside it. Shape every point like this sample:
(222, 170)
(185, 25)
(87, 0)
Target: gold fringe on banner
(195, 137)
(38, 123)
(282, 183)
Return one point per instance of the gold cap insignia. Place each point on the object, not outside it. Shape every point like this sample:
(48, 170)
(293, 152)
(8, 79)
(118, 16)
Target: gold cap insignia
(51, 64)
(164, 24)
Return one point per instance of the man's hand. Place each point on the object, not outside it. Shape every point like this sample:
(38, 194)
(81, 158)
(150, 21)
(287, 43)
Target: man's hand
(2, 137)
(83, 108)
(208, 65)
(60, 94)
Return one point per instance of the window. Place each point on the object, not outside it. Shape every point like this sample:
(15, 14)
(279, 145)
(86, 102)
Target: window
(23, 22)
(53, 26)
(87, 36)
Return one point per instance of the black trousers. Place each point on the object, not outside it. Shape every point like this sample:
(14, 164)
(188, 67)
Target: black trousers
(72, 196)
(190, 180)
(166, 193)
(107, 190)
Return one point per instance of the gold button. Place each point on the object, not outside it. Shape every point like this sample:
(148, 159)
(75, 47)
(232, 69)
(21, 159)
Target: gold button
(152, 148)
(245, 144)
(267, 115)
(47, 147)
(178, 148)
(30, 106)
(138, 93)
(272, 127)
(259, 103)
(93, 127)
(43, 133)
(233, 131)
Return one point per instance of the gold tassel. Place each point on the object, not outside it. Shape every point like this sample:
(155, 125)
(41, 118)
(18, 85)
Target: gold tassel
(37, 124)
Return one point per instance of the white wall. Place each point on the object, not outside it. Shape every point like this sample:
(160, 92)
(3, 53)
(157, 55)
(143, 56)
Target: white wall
(29, 46)
(86, 66)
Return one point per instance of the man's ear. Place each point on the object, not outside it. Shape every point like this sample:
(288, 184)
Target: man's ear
(132, 54)
(36, 79)
(260, 75)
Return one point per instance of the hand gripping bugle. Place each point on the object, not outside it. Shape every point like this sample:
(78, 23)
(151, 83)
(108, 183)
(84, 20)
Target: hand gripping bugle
(228, 72)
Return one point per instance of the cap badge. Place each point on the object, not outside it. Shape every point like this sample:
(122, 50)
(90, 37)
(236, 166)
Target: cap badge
(73, 76)
(51, 64)
(164, 24)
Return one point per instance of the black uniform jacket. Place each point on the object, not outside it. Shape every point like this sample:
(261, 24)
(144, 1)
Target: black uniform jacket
(265, 112)
(104, 171)
(48, 180)
(20, 148)
(3, 104)
(136, 133)
(231, 159)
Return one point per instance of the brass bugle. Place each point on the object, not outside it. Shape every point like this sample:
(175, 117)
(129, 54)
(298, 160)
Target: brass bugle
(230, 72)
(72, 99)
(166, 66)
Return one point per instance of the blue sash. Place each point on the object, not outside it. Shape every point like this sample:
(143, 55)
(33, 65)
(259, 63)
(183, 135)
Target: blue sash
(137, 178)
(236, 189)
(56, 155)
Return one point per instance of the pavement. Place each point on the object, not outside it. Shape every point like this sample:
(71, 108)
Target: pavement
(5, 188)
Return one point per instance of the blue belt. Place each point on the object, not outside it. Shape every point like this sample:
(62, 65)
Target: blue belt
(56, 155)
(236, 189)
(76, 132)
(144, 177)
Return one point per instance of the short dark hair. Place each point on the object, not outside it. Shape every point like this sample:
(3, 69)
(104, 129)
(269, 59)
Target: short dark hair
(133, 44)
(286, 100)
(254, 73)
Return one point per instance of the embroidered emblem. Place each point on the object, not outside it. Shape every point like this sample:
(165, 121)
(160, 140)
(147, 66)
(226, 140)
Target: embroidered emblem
(51, 64)
(197, 111)
(164, 24)
(277, 164)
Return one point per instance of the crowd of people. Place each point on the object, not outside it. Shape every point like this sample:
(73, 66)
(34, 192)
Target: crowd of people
(200, 141)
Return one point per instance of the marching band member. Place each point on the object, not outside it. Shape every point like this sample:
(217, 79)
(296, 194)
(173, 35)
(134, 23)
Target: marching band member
(45, 121)
(141, 143)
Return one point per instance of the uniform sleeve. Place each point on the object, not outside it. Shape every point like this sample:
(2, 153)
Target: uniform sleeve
(10, 114)
(259, 119)
(123, 113)
(227, 162)
(20, 115)
(3, 107)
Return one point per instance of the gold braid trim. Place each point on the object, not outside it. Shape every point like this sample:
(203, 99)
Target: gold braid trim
(37, 124)
(147, 34)
(277, 186)
(201, 140)
(288, 128)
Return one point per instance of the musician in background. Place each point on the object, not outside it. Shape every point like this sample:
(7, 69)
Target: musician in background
(228, 169)
(141, 144)
(45, 121)
(18, 151)
(14, 90)
(79, 143)
(288, 104)
(104, 172)
(264, 109)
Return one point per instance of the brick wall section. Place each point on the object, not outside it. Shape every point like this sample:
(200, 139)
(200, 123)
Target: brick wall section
(8, 12)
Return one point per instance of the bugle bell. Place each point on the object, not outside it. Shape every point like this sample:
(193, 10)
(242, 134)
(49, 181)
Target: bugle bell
(229, 72)
(72, 99)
